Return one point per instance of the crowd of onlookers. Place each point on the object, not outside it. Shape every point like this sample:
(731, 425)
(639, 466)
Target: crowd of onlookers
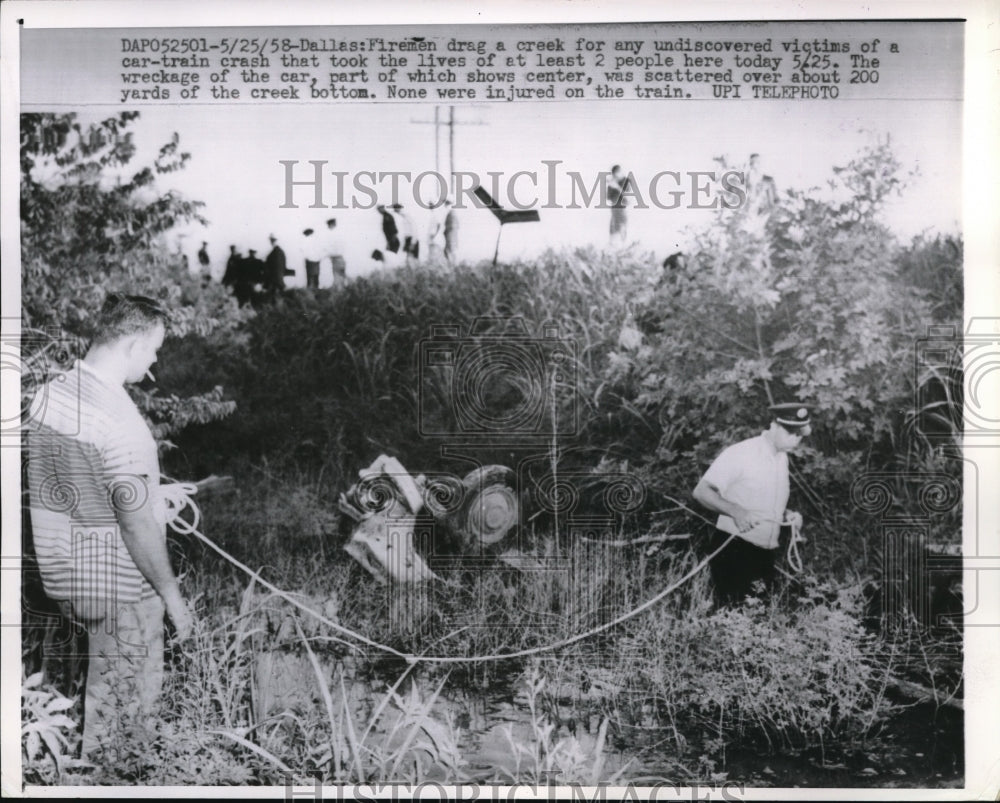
(257, 281)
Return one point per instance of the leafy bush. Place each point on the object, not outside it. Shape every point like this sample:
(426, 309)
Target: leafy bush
(795, 676)
(92, 224)
(48, 734)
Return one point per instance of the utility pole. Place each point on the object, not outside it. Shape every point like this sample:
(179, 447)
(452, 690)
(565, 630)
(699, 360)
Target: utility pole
(450, 123)
(451, 146)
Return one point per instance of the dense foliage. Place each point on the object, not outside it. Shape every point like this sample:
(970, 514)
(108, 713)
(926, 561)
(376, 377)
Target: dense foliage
(91, 224)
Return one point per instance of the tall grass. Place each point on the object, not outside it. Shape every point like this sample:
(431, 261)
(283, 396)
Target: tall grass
(265, 695)
(271, 695)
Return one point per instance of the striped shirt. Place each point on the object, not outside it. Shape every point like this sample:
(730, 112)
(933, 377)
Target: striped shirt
(90, 455)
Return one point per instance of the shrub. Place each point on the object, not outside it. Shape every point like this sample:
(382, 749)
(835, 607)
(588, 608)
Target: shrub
(48, 734)
(794, 676)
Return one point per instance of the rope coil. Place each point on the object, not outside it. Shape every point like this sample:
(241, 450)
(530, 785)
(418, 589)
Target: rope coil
(792, 555)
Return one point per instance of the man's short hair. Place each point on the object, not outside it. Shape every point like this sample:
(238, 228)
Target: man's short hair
(123, 315)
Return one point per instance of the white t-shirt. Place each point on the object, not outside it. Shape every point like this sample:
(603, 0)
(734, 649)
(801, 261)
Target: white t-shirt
(332, 243)
(312, 248)
(754, 475)
(435, 226)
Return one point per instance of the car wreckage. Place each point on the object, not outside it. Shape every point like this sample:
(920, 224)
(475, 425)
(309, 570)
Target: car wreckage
(388, 507)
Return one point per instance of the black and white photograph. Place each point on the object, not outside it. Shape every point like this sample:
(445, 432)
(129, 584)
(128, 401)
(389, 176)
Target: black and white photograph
(531, 401)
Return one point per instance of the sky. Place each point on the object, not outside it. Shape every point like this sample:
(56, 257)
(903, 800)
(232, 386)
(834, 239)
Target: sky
(236, 169)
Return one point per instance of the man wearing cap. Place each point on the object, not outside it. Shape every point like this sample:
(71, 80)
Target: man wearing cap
(747, 485)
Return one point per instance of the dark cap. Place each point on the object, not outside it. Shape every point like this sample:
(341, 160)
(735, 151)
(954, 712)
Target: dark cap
(307, 232)
(791, 414)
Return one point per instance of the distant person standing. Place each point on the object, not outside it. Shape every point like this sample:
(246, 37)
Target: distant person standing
(312, 250)
(205, 264)
(653, 312)
(336, 252)
(253, 278)
(407, 236)
(450, 233)
(618, 187)
(232, 274)
(275, 270)
(435, 231)
(762, 192)
(390, 229)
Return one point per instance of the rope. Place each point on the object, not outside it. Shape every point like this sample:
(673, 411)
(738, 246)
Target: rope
(176, 497)
(792, 555)
(179, 496)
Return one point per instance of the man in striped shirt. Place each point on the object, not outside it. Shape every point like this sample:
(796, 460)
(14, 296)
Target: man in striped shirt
(98, 521)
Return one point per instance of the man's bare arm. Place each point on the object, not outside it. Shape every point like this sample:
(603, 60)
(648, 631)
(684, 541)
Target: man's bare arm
(708, 495)
(143, 537)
